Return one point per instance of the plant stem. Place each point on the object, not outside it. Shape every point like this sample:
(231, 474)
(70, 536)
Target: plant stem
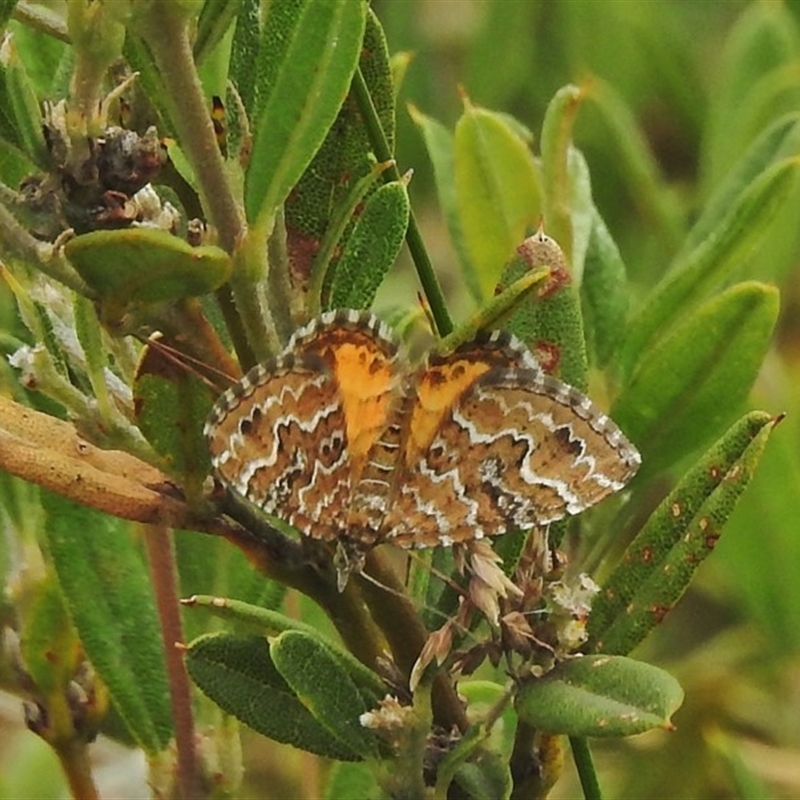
(163, 569)
(582, 757)
(45, 257)
(165, 30)
(74, 759)
(427, 276)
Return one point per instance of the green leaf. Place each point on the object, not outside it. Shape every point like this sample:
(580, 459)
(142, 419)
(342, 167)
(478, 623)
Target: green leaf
(215, 19)
(697, 379)
(556, 146)
(372, 247)
(320, 207)
(49, 644)
(759, 554)
(549, 322)
(600, 696)
(712, 262)
(498, 192)
(658, 565)
(269, 622)
(604, 293)
(244, 51)
(440, 145)
(110, 601)
(141, 265)
(237, 673)
(488, 776)
(170, 405)
(324, 687)
(309, 52)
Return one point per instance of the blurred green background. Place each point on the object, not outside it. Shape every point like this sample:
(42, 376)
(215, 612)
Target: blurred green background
(702, 78)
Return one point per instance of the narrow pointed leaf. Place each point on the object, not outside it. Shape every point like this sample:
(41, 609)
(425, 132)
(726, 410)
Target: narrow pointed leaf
(658, 565)
(110, 601)
(557, 127)
(20, 115)
(324, 687)
(309, 51)
(270, 623)
(600, 696)
(695, 381)
(238, 674)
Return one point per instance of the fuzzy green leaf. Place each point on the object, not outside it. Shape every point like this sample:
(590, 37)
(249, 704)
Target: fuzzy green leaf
(372, 247)
(238, 674)
(549, 321)
(695, 381)
(109, 598)
(140, 265)
(658, 565)
(308, 54)
(320, 207)
(49, 644)
(600, 696)
(170, 405)
(244, 51)
(556, 180)
(498, 192)
(324, 687)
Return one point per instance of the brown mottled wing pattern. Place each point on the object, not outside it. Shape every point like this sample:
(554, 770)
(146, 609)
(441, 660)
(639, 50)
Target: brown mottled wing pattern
(293, 435)
(493, 446)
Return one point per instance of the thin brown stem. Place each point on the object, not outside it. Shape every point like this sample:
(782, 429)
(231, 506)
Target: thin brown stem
(163, 569)
(74, 759)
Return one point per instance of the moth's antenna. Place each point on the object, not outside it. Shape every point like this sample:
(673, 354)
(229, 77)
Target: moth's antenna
(188, 362)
